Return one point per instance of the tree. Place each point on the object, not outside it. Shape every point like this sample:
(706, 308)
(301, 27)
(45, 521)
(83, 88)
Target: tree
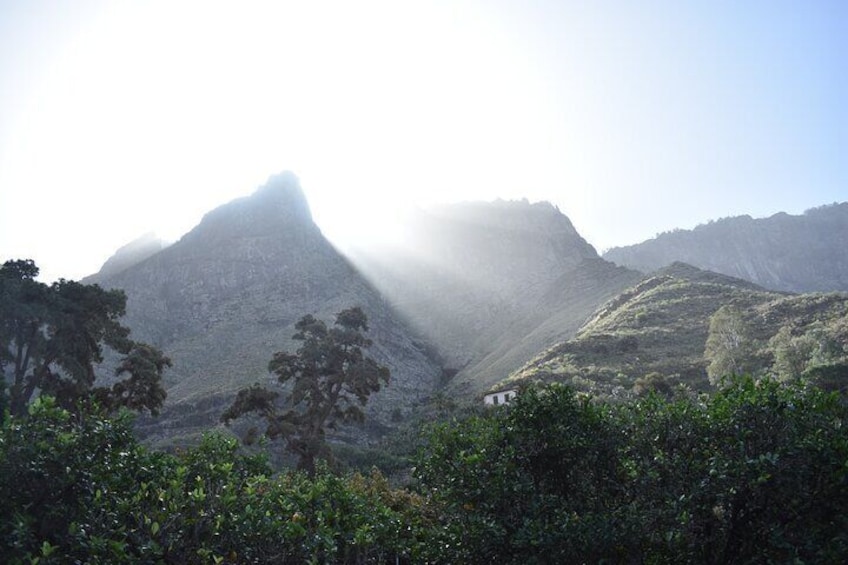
(728, 347)
(792, 354)
(52, 337)
(331, 379)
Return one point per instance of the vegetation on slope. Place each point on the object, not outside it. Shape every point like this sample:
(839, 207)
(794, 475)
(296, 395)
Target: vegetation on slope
(331, 380)
(662, 327)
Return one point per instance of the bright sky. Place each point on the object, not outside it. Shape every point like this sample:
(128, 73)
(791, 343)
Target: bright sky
(634, 117)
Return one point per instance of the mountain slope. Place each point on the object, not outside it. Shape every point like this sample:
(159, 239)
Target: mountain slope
(806, 253)
(226, 296)
(661, 326)
(490, 284)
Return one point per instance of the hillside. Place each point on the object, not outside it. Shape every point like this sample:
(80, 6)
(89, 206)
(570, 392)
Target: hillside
(661, 326)
(225, 297)
(805, 253)
(490, 284)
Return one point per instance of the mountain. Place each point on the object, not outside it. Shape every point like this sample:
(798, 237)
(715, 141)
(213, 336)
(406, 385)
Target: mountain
(130, 254)
(225, 297)
(490, 284)
(661, 325)
(805, 253)
(469, 297)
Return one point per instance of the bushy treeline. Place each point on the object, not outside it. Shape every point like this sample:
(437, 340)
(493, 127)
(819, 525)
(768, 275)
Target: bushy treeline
(757, 472)
(82, 490)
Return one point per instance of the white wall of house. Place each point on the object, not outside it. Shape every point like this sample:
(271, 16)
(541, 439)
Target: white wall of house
(500, 397)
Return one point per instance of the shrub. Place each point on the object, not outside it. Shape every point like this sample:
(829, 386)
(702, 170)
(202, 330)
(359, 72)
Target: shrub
(80, 489)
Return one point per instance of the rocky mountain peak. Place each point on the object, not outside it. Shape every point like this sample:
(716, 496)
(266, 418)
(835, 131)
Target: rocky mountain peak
(224, 298)
(514, 216)
(504, 242)
(278, 206)
(476, 275)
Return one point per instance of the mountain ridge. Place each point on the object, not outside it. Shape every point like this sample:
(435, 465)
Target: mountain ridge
(801, 253)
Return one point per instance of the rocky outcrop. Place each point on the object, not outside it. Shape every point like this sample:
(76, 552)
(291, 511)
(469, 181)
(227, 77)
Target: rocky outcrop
(806, 253)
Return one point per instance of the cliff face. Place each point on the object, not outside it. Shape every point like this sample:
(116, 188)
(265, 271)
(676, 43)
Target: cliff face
(492, 284)
(226, 296)
(805, 253)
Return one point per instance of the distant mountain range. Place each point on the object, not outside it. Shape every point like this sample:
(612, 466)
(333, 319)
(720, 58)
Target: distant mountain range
(471, 297)
(806, 253)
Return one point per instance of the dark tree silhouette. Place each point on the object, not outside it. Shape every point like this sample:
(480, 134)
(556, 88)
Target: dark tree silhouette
(52, 337)
(331, 380)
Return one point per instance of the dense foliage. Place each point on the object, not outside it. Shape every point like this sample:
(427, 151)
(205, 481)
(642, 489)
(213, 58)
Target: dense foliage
(53, 336)
(757, 472)
(82, 490)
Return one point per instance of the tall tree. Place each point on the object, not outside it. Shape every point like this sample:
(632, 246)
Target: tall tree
(331, 380)
(52, 337)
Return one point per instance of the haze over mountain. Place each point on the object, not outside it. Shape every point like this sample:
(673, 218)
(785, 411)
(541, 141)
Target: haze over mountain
(226, 296)
(491, 283)
(803, 253)
(486, 286)
(130, 254)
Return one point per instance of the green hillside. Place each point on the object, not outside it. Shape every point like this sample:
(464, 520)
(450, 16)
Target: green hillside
(661, 326)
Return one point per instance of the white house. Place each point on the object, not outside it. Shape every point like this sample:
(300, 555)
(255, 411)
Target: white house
(499, 397)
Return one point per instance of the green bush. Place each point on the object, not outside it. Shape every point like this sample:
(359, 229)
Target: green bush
(756, 473)
(80, 489)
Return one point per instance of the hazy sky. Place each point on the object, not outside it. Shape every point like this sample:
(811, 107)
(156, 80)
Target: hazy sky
(118, 118)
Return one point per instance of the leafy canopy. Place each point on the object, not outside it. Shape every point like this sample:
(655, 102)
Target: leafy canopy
(330, 381)
(752, 474)
(52, 337)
